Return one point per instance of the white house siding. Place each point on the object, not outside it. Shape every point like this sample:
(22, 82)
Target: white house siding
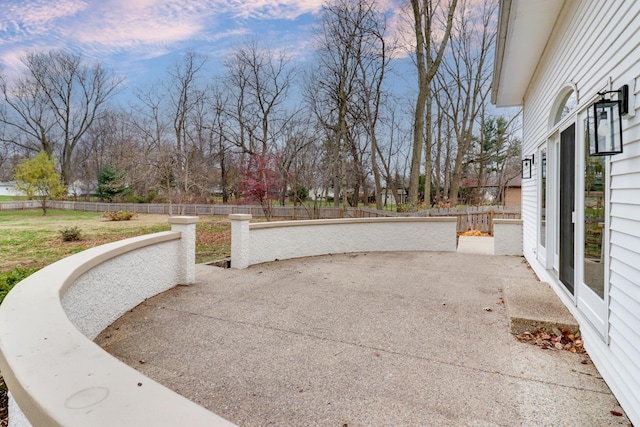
(8, 189)
(590, 43)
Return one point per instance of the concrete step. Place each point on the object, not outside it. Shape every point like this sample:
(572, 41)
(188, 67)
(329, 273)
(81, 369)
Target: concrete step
(533, 305)
(475, 245)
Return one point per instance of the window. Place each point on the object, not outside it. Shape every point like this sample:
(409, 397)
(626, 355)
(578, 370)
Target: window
(567, 104)
(543, 198)
(594, 218)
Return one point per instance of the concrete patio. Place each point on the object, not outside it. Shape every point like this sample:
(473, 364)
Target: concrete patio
(417, 338)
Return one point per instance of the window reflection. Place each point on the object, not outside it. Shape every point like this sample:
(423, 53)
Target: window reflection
(567, 105)
(543, 198)
(594, 202)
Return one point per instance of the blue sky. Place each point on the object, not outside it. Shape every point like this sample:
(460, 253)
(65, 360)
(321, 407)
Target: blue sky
(140, 39)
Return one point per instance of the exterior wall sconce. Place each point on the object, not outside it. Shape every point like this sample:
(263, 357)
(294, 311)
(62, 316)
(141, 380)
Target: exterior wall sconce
(607, 122)
(527, 164)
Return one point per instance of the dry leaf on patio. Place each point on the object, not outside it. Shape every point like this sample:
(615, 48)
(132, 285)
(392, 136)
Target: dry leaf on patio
(546, 341)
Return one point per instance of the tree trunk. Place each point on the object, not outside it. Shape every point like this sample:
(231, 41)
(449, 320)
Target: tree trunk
(427, 66)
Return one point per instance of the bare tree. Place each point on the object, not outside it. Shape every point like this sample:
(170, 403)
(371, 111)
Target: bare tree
(6, 154)
(151, 123)
(221, 140)
(54, 103)
(259, 81)
(297, 139)
(394, 158)
(442, 149)
(185, 95)
(113, 142)
(373, 59)
(431, 41)
(345, 90)
(465, 79)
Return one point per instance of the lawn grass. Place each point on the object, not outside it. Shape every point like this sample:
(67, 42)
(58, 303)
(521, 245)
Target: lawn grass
(29, 239)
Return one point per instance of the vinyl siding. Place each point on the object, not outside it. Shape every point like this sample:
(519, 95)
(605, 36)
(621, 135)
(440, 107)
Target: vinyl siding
(590, 44)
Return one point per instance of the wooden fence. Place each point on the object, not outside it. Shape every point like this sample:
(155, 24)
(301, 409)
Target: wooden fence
(476, 217)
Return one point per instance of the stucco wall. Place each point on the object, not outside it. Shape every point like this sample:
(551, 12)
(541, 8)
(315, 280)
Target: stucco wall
(507, 237)
(55, 372)
(263, 242)
(104, 293)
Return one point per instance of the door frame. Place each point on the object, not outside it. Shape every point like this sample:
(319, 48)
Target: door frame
(567, 208)
(594, 308)
(552, 249)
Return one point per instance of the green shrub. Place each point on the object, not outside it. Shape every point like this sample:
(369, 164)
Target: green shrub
(70, 234)
(119, 215)
(9, 279)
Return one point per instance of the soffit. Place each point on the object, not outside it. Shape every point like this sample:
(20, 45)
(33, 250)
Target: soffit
(524, 28)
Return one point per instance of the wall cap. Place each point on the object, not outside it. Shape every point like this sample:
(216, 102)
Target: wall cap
(240, 217)
(507, 221)
(183, 220)
(307, 222)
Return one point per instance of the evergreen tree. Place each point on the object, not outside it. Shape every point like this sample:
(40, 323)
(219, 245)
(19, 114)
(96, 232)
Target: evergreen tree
(111, 183)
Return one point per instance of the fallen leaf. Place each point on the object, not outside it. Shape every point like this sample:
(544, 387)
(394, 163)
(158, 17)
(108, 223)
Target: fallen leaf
(616, 413)
(584, 361)
(487, 309)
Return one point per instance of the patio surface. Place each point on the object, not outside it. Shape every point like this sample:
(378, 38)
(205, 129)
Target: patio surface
(360, 340)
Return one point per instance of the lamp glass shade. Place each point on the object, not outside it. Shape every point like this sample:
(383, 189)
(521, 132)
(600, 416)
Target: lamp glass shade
(526, 168)
(607, 134)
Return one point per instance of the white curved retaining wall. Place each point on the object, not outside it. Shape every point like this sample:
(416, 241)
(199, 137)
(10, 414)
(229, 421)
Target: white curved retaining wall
(263, 242)
(55, 372)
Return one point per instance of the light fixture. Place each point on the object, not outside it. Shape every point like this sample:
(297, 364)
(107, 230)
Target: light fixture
(607, 122)
(527, 163)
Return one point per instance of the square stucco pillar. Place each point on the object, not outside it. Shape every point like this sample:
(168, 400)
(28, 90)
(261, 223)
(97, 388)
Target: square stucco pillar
(186, 225)
(507, 237)
(240, 240)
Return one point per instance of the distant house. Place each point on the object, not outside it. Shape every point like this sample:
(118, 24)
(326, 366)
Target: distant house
(559, 59)
(8, 189)
(513, 192)
(386, 195)
(80, 188)
(509, 194)
(321, 194)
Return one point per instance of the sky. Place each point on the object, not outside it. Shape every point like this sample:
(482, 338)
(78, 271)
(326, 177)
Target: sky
(140, 39)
